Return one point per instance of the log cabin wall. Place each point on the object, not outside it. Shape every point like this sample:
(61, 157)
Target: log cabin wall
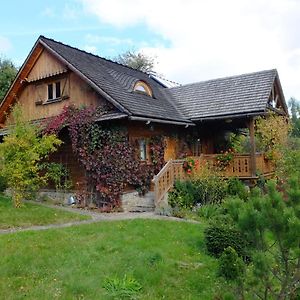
(74, 90)
(64, 155)
(174, 136)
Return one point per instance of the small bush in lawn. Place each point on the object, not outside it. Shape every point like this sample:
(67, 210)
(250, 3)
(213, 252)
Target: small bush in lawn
(231, 266)
(125, 288)
(235, 187)
(218, 238)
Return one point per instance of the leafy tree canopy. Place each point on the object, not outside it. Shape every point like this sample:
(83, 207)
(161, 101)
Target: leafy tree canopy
(21, 155)
(7, 74)
(137, 60)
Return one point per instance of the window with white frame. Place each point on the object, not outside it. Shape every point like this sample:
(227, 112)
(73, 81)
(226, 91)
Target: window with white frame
(54, 90)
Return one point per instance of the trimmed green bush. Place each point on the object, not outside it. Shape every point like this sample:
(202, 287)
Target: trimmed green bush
(218, 238)
(231, 266)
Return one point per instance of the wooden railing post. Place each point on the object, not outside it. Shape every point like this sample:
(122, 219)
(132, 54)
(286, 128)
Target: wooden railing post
(253, 148)
(172, 173)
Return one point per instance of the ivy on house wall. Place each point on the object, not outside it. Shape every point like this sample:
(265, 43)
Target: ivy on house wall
(110, 160)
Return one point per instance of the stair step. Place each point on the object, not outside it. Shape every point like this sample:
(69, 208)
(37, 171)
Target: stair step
(132, 202)
(142, 209)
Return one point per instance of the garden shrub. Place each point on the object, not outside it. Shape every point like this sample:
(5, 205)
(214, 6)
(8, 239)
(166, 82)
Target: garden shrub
(210, 189)
(208, 211)
(205, 189)
(218, 238)
(235, 187)
(231, 266)
(183, 195)
(58, 174)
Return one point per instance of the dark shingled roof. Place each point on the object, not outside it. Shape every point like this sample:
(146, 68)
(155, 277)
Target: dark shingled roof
(117, 81)
(247, 93)
(218, 98)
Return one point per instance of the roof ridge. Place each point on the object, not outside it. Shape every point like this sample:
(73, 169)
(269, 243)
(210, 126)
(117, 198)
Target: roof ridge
(160, 76)
(95, 55)
(226, 77)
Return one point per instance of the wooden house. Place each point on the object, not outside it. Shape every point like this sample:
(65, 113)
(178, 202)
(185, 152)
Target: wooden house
(55, 75)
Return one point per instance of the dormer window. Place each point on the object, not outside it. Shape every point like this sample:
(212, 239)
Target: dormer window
(143, 88)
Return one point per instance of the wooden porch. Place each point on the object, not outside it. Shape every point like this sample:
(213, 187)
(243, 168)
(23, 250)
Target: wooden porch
(241, 166)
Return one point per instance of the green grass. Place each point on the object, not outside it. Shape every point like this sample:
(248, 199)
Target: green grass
(32, 214)
(165, 258)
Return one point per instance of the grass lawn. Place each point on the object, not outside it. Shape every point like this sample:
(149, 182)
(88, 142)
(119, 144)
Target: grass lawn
(32, 214)
(167, 259)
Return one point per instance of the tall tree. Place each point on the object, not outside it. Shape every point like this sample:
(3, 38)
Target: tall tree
(137, 60)
(294, 106)
(7, 74)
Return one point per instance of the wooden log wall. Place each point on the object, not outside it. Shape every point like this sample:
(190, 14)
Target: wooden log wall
(64, 155)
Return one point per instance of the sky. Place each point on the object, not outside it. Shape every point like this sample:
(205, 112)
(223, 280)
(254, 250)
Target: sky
(192, 40)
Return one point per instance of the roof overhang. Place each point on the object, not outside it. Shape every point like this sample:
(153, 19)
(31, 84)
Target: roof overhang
(20, 81)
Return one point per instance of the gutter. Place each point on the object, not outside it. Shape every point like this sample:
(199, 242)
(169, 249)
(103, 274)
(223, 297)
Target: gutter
(233, 116)
(85, 78)
(133, 118)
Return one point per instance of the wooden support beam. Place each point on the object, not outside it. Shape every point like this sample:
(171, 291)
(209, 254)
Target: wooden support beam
(253, 148)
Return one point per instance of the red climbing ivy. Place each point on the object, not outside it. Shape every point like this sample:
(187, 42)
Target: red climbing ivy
(110, 160)
(157, 150)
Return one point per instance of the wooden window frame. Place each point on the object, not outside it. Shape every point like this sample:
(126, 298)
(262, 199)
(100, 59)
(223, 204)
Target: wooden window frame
(147, 89)
(55, 88)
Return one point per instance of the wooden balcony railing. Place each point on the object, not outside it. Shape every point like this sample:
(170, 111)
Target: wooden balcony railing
(239, 167)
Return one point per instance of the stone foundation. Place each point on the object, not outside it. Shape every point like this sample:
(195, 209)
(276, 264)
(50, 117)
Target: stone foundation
(133, 202)
(55, 197)
(130, 201)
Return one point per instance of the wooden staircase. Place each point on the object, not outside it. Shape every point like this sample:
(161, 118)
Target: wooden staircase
(166, 178)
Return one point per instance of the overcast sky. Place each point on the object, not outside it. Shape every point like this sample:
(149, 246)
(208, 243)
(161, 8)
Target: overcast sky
(193, 40)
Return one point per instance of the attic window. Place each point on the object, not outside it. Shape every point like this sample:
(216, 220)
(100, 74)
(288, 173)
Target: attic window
(54, 91)
(143, 88)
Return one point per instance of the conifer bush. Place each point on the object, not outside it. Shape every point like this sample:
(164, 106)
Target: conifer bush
(218, 238)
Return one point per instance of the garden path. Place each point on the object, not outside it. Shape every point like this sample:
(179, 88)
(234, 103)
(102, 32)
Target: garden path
(95, 217)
